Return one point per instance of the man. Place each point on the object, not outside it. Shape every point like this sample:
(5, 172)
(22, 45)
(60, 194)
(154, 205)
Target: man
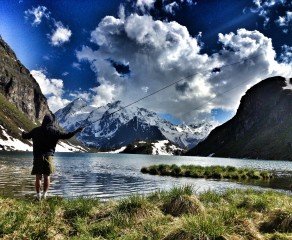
(45, 139)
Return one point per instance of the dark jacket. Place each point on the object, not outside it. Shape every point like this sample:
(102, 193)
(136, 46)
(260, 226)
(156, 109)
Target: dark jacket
(45, 137)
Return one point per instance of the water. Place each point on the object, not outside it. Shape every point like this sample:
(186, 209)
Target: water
(115, 175)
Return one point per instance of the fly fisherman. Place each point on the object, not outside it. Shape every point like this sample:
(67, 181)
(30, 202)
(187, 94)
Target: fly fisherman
(45, 139)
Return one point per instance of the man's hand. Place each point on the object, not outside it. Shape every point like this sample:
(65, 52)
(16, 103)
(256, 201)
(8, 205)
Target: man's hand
(23, 134)
(78, 130)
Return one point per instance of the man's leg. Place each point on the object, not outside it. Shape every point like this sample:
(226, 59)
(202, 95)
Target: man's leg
(46, 185)
(38, 182)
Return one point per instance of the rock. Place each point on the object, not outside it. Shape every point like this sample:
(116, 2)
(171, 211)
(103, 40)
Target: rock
(19, 87)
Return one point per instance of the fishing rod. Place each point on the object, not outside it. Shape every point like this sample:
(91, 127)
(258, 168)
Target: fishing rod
(216, 69)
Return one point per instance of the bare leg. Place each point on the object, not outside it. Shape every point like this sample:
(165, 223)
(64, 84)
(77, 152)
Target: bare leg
(46, 185)
(38, 182)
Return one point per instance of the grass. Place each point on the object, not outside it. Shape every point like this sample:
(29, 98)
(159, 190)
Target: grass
(214, 172)
(11, 118)
(178, 214)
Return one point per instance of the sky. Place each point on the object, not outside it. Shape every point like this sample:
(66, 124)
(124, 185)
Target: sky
(103, 51)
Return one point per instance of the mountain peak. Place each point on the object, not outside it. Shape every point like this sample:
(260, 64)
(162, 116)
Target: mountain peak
(107, 129)
(77, 103)
(115, 104)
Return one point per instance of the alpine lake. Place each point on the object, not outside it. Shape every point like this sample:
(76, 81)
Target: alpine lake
(106, 176)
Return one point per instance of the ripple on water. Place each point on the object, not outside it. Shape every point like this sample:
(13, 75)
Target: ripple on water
(109, 176)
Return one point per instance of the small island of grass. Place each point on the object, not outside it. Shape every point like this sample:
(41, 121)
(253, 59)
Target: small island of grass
(211, 172)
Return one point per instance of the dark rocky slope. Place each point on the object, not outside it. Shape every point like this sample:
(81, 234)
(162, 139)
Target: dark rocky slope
(261, 128)
(22, 104)
(19, 87)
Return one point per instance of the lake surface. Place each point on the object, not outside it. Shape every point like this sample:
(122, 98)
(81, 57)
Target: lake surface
(116, 175)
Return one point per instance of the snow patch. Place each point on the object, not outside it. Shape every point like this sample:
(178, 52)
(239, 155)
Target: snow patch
(68, 147)
(164, 147)
(12, 144)
(117, 150)
(288, 84)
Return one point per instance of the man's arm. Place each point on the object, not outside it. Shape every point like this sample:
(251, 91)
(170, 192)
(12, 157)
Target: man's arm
(62, 135)
(26, 135)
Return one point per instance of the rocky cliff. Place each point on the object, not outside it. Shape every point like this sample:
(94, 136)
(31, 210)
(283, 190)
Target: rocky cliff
(19, 87)
(22, 105)
(261, 128)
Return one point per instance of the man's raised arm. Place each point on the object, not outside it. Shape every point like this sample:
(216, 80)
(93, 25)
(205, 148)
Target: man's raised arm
(62, 135)
(27, 135)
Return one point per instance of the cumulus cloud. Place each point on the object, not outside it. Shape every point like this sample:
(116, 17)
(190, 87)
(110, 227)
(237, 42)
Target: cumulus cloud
(286, 55)
(60, 34)
(85, 95)
(171, 7)
(52, 89)
(267, 8)
(160, 52)
(104, 94)
(37, 14)
(166, 5)
(145, 4)
(285, 21)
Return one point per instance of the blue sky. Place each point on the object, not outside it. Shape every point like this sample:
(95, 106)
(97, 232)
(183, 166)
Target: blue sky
(77, 63)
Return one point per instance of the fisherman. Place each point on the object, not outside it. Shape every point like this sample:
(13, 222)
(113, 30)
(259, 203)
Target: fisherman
(45, 139)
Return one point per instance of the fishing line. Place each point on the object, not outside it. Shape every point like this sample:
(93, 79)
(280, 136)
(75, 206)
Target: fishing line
(221, 94)
(217, 69)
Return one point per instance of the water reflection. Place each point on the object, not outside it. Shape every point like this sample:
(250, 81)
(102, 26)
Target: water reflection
(112, 176)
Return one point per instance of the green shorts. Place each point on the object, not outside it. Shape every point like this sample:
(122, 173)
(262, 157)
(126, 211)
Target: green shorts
(43, 165)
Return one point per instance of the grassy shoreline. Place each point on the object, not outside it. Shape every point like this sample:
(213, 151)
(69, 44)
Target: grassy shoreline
(169, 215)
(214, 172)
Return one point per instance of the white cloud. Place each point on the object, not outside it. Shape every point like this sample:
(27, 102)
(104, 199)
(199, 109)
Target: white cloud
(169, 7)
(286, 55)
(76, 65)
(159, 53)
(285, 21)
(65, 73)
(145, 4)
(266, 8)
(37, 13)
(104, 94)
(52, 89)
(85, 95)
(60, 35)
(145, 89)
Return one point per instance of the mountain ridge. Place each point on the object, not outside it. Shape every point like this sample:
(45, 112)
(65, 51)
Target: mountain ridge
(104, 130)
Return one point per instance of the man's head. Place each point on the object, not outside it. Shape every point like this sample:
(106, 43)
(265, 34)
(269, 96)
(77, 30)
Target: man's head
(48, 120)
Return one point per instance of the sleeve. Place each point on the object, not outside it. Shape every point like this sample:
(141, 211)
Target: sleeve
(63, 135)
(28, 135)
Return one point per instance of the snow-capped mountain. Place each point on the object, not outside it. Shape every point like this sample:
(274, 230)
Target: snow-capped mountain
(126, 126)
